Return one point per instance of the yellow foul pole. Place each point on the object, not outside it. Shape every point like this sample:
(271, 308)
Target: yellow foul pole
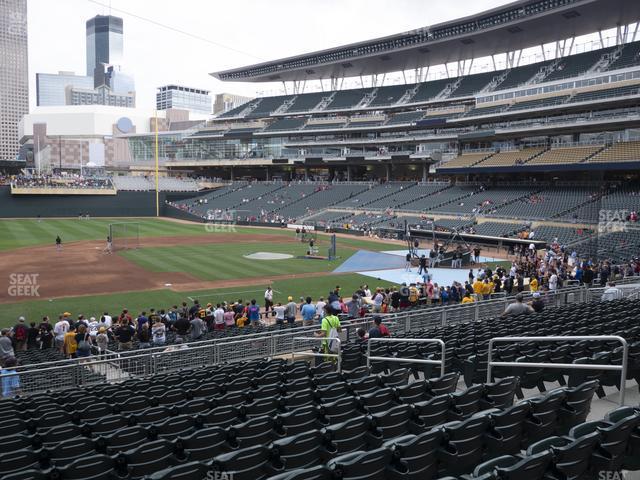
(157, 168)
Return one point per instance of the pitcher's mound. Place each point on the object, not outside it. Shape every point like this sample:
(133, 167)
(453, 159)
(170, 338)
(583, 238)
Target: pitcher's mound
(268, 256)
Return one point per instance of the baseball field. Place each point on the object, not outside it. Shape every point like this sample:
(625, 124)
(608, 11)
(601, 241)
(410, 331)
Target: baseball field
(174, 262)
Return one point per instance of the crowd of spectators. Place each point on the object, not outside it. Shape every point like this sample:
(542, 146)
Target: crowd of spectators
(60, 181)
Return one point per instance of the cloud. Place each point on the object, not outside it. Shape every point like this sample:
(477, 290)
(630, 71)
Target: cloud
(266, 29)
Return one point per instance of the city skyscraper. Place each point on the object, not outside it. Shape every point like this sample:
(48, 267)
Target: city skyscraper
(195, 100)
(104, 45)
(50, 87)
(14, 74)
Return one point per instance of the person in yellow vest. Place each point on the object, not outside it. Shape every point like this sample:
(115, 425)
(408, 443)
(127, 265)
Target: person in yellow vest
(487, 289)
(467, 298)
(533, 284)
(477, 286)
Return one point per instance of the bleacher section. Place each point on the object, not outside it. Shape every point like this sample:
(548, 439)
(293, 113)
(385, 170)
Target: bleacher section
(490, 110)
(389, 95)
(471, 199)
(268, 105)
(473, 83)
(411, 198)
(514, 157)
(574, 65)
(467, 160)
(344, 99)
(497, 229)
(604, 94)
(540, 103)
(565, 155)
(429, 90)
(323, 197)
(629, 57)
(286, 124)
(307, 102)
(615, 246)
(618, 152)
(405, 117)
(548, 203)
(375, 193)
(520, 75)
(564, 235)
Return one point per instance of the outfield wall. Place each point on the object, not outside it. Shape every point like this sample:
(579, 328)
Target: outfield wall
(124, 204)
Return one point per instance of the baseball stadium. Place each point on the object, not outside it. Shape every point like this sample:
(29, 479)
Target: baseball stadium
(419, 260)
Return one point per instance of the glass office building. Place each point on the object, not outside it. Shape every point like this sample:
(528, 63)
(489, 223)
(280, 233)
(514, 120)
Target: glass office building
(51, 87)
(104, 43)
(195, 100)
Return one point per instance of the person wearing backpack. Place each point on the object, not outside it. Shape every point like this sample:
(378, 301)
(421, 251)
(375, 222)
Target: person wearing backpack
(20, 335)
(83, 348)
(253, 313)
(330, 329)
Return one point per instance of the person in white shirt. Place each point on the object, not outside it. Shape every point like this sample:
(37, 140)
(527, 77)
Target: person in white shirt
(377, 301)
(279, 309)
(268, 301)
(93, 328)
(59, 329)
(320, 304)
(218, 317)
(553, 281)
(158, 333)
(107, 320)
(367, 291)
(612, 293)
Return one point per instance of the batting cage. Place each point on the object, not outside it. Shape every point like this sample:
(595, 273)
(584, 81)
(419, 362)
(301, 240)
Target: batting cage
(124, 235)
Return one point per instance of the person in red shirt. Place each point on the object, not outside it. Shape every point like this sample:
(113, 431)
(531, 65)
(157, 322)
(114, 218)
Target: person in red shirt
(378, 330)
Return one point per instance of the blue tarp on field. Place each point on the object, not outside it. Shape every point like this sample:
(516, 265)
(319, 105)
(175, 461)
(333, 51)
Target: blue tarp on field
(364, 260)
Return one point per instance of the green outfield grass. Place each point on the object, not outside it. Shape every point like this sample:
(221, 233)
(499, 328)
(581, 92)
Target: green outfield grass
(95, 305)
(16, 233)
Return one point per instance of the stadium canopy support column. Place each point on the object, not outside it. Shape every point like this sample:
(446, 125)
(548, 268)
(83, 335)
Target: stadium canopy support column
(306, 173)
(348, 173)
(388, 170)
(231, 173)
(266, 173)
(424, 172)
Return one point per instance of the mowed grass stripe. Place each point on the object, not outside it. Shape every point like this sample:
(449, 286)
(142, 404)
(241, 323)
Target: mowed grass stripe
(226, 261)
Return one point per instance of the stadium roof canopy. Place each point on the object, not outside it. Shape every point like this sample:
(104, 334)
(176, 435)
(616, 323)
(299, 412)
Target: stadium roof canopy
(515, 26)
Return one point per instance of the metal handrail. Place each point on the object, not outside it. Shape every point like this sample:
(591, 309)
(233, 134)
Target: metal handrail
(578, 366)
(440, 362)
(338, 355)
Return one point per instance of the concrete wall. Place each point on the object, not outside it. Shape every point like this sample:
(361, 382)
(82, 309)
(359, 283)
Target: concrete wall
(124, 204)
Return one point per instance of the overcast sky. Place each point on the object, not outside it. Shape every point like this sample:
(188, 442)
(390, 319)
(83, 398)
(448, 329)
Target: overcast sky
(254, 30)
